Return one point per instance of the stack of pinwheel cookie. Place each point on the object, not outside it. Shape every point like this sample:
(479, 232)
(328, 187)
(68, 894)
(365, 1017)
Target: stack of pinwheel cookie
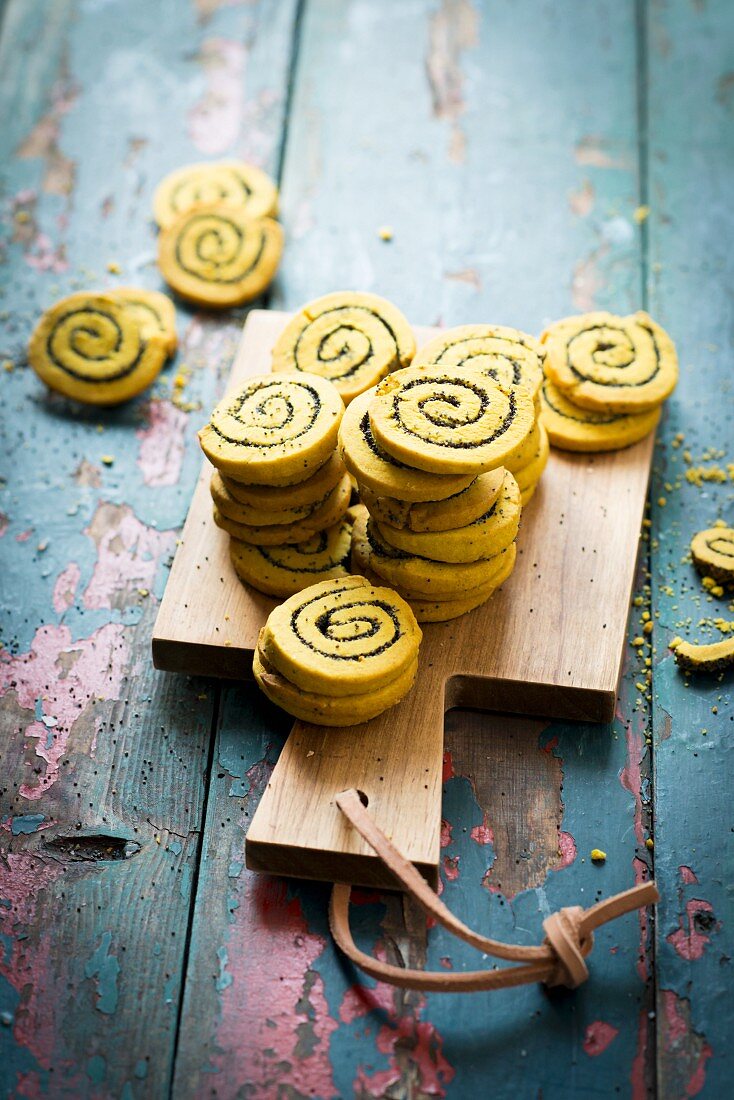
(280, 490)
(433, 448)
(606, 379)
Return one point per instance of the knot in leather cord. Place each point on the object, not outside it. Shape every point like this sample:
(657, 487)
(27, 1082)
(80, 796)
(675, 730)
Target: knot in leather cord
(559, 960)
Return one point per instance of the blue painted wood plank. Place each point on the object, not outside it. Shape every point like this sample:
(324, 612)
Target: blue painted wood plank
(103, 761)
(691, 278)
(500, 143)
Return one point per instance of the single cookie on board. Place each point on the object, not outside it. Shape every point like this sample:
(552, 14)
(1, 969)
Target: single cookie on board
(91, 347)
(483, 538)
(417, 576)
(302, 495)
(329, 513)
(310, 514)
(330, 710)
(712, 551)
(379, 471)
(703, 658)
(530, 473)
(277, 428)
(441, 515)
(225, 182)
(217, 256)
(154, 312)
(341, 637)
(284, 570)
(449, 421)
(511, 357)
(353, 339)
(609, 363)
(571, 428)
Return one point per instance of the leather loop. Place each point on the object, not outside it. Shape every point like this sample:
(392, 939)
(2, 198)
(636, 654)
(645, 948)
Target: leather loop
(560, 960)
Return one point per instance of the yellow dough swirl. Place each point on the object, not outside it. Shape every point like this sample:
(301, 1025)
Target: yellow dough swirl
(329, 710)
(353, 339)
(449, 422)
(382, 473)
(277, 429)
(572, 428)
(511, 357)
(341, 637)
(154, 312)
(217, 256)
(712, 551)
(609, 363)
(286, 569)
(231, 183)
(91, 347)
(483, 538)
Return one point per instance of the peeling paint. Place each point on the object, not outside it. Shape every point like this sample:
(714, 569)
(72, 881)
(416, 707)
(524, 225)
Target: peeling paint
(598, 1036)
(692, 938)
(128, 555)
(162, 443)
(43, 140)
(685, 1051)
(215, 121)
(453, 29)
(105, 969)
(593, 150)
(65, 587)
(581, 202)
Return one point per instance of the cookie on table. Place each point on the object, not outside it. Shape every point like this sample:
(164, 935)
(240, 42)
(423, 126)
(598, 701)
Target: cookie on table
(326, 515)
(449, 421)
(331, 710)
(154, 312)
(341, 637)
(354, 339)
(91, 347)
(509, 356)
(416, 576)
(609, 363)
(455, 511)
(217, 256)
(276, 429)
(285, 570)
(232, 183)
(703, 658)
(712, 551)
(382, 473)
(572, 428)
(483, 538)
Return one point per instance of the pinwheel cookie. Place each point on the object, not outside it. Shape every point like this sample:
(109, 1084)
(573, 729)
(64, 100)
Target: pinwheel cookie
(268, 534)
(712, 551)
(278, 429)
(353, 339)
(93, 348)
(231, 183)
(284, 570)
(341, 638)
(154, 312)
(440, 515)
(703, 658)
(218, 256)
(510, 357)
(450, 421)
(609, 363)
(573, 428)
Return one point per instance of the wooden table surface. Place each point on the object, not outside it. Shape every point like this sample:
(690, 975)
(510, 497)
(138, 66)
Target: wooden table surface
(515, 149)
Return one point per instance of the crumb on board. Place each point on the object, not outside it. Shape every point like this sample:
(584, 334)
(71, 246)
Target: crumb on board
(598, 856)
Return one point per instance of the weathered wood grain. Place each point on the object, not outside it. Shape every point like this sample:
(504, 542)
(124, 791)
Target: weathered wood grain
(500, 143)
(690, 284)
(104, 762)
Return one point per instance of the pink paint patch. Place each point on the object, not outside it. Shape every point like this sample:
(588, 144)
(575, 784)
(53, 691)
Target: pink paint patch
(552, 744)
(65, 678)
(25, 963)
(598, 1036)
(642, 874)
(482, 834)
(451, 867)
(448, 767)
(45, 257)
(274, 1012)
(691, 943)
(631, 775)
(128, 553)
(24, 535)
(162, 444)
(567, 848)
(638, 1073)
(216, 120)
(686, 1050)
(415, 1041)
(688, 875)
(65, 588)
(446, 831)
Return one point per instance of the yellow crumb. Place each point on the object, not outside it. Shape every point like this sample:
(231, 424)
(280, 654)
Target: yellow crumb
(650, 843)
(647, 628)
(113, 267)
(107, 460)
(674, 643)
(598, 856)
(8, 365)
(662, 501)
(641, 214)
(385, 233)
(638, 641)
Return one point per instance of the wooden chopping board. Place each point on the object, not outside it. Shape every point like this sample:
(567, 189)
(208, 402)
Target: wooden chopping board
(549, 643)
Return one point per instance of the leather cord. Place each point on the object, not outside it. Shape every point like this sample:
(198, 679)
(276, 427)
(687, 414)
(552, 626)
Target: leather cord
(559, 960)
